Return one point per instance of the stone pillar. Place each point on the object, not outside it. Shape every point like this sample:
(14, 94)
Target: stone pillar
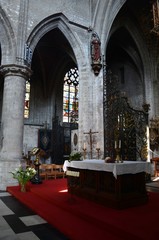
(12, 123)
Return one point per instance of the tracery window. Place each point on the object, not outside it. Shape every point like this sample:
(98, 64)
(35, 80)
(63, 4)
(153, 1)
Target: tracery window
(27, 100)
(70, 96)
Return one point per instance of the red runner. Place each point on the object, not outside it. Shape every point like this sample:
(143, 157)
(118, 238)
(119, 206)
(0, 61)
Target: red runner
(81, 219)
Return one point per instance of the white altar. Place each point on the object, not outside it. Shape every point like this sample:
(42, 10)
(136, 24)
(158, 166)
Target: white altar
(127, 167)
(118, 185)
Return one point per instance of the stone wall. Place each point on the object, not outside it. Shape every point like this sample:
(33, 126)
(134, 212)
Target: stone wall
(27, 21)
(30, 139)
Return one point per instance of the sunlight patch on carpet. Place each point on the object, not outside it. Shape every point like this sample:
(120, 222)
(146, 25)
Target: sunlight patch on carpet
(65, 190)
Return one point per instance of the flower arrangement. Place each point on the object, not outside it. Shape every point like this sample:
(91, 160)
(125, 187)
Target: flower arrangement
(23, 174)
(75, 156)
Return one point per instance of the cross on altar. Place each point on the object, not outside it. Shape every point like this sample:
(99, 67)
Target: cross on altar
(91, 142)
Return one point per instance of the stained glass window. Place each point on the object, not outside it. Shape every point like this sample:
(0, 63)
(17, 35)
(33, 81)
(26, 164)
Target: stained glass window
(27, 100)
(70, 96)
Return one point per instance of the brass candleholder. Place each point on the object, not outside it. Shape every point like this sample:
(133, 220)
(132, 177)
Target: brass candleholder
(117, 155)
(98, 150)
(84, 153)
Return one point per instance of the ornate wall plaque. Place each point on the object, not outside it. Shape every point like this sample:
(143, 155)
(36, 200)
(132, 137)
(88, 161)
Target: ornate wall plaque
(75, 139)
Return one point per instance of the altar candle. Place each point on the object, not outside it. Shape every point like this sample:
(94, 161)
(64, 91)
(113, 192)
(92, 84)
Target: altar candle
(97, 145)
(119, 143)
(84, 147)
(115, 144)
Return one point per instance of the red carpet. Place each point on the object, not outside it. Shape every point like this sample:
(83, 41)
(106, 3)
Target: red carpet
(81, 219)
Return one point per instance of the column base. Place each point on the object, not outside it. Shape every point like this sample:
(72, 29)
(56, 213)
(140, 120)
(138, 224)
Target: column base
(6, 178)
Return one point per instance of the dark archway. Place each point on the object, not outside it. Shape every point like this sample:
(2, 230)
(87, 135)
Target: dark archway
(123, 58)
(52, 58)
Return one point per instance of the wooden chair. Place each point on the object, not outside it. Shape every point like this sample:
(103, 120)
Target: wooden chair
(58, 170)
(50, 171)
(42, 171)
(156, 163)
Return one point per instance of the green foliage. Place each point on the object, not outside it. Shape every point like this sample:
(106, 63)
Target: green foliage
(75, 156)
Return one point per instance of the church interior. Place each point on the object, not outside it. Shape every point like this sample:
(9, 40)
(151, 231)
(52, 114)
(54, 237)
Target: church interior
(79, 93)
(53, 58)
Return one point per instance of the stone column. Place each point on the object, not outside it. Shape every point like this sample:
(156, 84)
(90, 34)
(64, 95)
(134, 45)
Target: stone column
(12, 123)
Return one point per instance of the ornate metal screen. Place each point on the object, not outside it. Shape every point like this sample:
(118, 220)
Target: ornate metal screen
(57, 141)
(122, 124)
(61, 140)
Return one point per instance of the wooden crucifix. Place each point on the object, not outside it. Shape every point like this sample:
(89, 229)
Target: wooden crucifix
(91, 141)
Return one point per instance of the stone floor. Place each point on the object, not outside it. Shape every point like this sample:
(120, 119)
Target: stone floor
(17, 222)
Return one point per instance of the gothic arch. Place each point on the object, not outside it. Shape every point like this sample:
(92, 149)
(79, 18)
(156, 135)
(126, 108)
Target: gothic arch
(105, 15)
(136, 37)
(109, 12)
(7, 40)
(146, 65)
(136, 41)
(62, 23)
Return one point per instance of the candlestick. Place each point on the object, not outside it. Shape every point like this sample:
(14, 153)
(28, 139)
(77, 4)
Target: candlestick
(98, 150)
(84, 146)
(119, 143)
(115, 144)
(117, 155)
(84, 153)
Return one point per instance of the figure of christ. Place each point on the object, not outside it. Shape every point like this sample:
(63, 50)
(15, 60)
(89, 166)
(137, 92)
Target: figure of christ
(91, 141)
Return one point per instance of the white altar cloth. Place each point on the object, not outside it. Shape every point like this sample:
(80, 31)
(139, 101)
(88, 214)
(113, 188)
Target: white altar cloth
(127, 167)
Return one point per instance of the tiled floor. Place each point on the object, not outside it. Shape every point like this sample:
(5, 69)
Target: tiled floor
(17, 222)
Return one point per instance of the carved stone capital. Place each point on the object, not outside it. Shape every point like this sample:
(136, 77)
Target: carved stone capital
(16, 70)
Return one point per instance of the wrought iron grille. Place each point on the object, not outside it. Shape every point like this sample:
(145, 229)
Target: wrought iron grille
(122, 122)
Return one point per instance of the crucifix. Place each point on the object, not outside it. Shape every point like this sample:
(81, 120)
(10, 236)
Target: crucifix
(91, 142)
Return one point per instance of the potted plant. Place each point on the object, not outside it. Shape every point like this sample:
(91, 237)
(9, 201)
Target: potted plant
(23, 175)
(75, 156)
